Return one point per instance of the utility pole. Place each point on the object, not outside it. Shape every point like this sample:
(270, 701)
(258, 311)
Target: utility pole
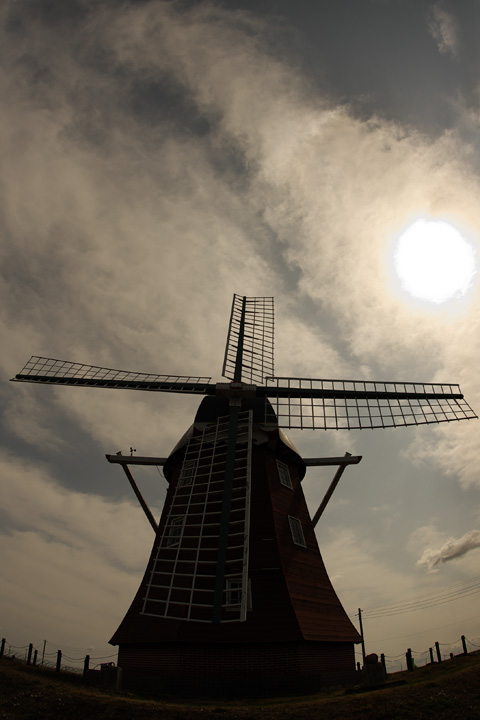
(361, 633)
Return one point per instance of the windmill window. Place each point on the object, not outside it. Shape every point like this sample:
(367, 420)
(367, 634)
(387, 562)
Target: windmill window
(297, 531)
(175, 534)
(187, 473)
(234, 593)
(284, 475)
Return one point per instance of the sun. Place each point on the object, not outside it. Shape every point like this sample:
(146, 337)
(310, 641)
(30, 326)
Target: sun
(434, 262)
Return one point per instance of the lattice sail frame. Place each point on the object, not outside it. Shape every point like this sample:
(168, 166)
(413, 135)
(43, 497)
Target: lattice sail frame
(184, 574)
(302, 403)
(63, 372)
(250, 340)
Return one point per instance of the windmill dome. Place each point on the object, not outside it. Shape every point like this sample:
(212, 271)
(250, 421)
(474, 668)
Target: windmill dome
(213, 406)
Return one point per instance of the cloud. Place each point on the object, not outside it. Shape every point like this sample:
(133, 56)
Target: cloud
(360, 570)
(452, 448)
(451, 549)
(443, 28)
(127, 257)
(156, 159)
(71, 561)
(32, 500)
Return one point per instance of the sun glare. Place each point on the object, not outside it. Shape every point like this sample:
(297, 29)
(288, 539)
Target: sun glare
(434, 262)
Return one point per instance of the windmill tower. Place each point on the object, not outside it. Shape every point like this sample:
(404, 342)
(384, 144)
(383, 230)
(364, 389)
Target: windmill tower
(235, 596)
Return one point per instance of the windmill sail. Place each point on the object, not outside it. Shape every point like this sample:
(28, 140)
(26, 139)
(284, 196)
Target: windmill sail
(184, 570)
(63, 372)
(249, 349)
(356, 404)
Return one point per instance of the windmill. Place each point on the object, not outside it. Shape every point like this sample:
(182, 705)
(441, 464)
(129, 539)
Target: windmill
(235, 596)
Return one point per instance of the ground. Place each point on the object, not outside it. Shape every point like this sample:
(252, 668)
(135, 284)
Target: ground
(447, 690)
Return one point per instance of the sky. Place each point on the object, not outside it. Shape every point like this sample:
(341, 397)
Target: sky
(158, 157)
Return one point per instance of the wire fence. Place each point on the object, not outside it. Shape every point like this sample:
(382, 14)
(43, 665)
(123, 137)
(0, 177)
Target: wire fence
(82, 665)
(437, 653)
(56, 660)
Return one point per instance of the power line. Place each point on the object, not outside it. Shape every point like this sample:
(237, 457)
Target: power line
(421, 602)
(425, 605)
(422, 632)
(427, 595)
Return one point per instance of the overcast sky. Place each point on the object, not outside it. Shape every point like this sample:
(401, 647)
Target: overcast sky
(158, 157)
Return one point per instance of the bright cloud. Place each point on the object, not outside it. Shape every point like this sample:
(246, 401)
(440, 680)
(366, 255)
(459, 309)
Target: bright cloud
(450, 550)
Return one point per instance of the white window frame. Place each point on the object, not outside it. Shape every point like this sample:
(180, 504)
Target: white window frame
(297, 531)
(284, 475)
(234, 587)
(234, 592)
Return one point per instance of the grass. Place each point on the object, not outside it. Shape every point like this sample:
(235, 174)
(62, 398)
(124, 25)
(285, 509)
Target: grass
(448, 690)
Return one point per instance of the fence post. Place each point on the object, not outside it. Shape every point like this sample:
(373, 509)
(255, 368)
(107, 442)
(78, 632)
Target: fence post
(86, 665)
(29, 656)
(2, 647)
(431, 655)
(439, 655)
(465, 651)
(35, 654)
(382, 660)
(59, 660)
(409, 659)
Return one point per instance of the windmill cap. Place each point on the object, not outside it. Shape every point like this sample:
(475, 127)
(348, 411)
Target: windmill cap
(264, 422)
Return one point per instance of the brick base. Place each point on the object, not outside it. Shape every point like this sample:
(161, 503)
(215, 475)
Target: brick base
(273, 668)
